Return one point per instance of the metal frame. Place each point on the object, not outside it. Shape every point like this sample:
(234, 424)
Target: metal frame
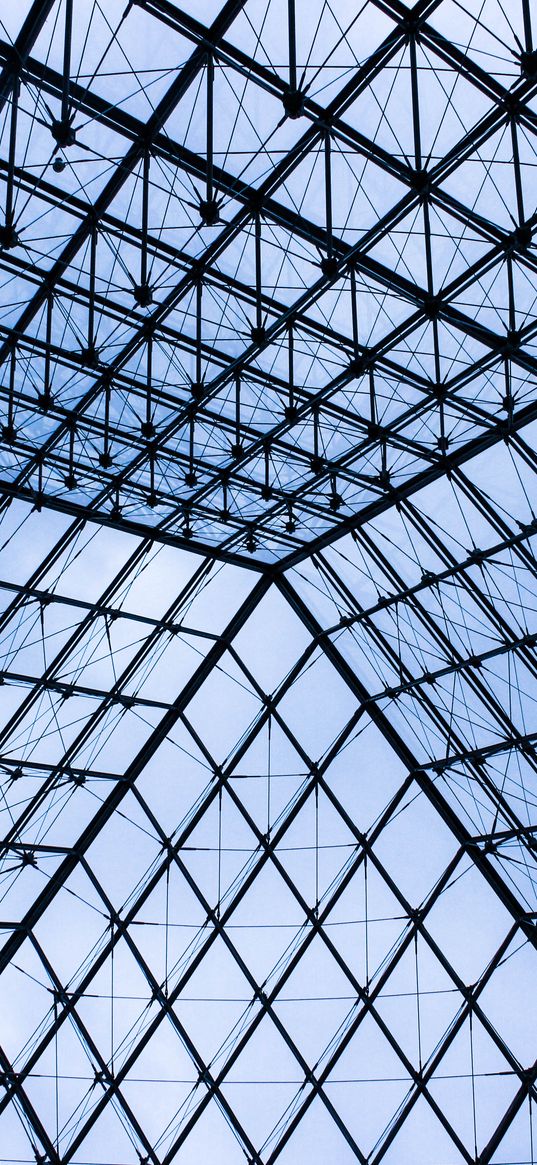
(205, 360)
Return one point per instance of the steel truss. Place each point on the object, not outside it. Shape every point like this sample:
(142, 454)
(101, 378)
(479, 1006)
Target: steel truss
(267, 608)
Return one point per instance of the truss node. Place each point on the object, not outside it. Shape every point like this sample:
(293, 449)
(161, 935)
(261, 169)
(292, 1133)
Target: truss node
(528, 64)
(9, 237)
(209, 212)
(329, 266)
(143, 294)
(9, 434)
(63, 134)
(258, 335)
(293, 103)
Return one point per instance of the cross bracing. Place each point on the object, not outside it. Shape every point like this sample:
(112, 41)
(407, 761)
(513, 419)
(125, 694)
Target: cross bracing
(267, 743)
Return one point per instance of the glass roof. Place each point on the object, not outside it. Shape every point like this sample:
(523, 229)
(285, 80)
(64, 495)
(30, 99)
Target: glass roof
(268, 587)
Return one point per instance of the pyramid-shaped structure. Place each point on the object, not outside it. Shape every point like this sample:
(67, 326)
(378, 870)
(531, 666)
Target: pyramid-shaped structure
(268, 582)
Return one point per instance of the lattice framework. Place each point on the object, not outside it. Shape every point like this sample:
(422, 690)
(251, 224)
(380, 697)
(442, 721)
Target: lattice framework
(268, 599)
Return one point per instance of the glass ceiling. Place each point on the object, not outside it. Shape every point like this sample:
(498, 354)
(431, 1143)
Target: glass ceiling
(268, 586)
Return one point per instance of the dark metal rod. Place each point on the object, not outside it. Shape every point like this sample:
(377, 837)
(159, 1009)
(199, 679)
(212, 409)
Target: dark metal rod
(48, 352)
(149, 383)
(199, 320)
(67, 45)
(91, 299)
(238, 411)
(372, 397)
(328, 192)
(145, 216)
(291, 367)
(258, 274)
(526, 16)
(292, 45)
(354, 313)
(517, 173)
(9, 431)
(210, 128)
(10, 191)
(106, 438)
(415, 103)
